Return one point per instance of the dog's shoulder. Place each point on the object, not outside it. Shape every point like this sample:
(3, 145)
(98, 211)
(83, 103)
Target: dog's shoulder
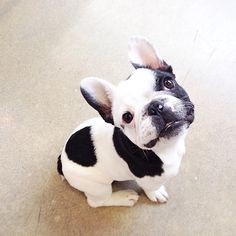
(80, 148)
(81, 145)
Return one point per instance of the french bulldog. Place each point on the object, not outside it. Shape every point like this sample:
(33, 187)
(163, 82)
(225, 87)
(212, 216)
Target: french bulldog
(139, 135)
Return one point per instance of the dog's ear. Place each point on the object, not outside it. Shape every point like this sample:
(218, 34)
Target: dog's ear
(99, 94)
(143, 55)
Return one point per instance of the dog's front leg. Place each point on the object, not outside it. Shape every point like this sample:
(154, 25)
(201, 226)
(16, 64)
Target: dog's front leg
(159, 195)
(154, 188)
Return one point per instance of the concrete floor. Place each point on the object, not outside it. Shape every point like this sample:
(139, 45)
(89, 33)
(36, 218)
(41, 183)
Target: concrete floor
(47, 47)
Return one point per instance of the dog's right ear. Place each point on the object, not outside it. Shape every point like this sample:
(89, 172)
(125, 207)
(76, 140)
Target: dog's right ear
(143, 55)
(99, 94)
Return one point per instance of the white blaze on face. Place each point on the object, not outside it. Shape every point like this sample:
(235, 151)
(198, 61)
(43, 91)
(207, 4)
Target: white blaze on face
(140, 85)
(133, 95)
(147, 132)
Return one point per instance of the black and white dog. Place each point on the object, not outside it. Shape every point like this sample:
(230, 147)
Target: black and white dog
(139, 136)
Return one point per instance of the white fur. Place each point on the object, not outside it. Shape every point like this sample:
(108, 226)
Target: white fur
(159, 195)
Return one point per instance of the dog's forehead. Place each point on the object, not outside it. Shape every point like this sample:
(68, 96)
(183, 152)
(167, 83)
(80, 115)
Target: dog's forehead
(140, 82)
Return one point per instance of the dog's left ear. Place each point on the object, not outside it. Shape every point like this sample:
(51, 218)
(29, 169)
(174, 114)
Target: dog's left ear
(143, 55)
(99, 94)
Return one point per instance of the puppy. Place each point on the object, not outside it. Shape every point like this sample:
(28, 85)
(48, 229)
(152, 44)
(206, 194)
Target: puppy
(139, 136)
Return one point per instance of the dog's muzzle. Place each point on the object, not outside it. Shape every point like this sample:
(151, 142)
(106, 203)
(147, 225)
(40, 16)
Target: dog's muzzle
(169, 120)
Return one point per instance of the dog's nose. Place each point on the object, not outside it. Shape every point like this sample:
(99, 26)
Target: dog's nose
(155, 107)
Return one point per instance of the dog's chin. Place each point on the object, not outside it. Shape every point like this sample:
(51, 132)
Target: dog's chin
(174, 128)
(171, 129)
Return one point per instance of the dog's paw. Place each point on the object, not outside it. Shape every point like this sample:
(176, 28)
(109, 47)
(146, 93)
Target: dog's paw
(159, 195)
(124, 198)
(119, 198)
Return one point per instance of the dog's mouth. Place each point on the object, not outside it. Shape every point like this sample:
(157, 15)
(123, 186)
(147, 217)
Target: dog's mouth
(171, 129)
(174, 127)
(152, 143)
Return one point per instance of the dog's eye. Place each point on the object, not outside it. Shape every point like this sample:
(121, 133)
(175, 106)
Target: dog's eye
(127, 117)
(169, 83)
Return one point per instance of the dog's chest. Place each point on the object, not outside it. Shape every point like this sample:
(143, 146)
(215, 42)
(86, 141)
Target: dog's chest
(171, 158)
(171, 153)
(164, 161)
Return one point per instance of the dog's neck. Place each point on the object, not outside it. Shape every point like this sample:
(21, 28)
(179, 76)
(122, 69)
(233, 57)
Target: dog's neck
(141, 162)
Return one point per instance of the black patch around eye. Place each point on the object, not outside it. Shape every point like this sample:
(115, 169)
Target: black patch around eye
(160, 77)
(177, 91)
(163, 74)
(168, 83)
(180, 93)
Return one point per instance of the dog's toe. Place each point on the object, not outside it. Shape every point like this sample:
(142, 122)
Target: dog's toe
(126, 197)
(159, 195)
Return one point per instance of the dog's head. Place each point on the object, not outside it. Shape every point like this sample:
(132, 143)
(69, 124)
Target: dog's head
(147, 106)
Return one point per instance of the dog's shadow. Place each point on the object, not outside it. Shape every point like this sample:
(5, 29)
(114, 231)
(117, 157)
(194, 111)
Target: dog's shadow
(123, 185)
(63, 210)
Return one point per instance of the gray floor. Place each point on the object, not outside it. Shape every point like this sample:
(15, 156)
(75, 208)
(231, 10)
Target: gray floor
(47, 47)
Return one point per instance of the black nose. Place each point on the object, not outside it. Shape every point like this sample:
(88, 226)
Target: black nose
(155, 107)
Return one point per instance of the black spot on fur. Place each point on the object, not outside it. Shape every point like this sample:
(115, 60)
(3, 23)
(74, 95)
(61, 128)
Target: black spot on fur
(59, 166)
(141, 162)
(80, 148)
(177, 90)
(160, 77)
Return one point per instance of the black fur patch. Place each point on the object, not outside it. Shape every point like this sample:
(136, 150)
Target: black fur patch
(177, 91)
(160, 77)
(141, 162)
(80, 148)
(59, 166)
